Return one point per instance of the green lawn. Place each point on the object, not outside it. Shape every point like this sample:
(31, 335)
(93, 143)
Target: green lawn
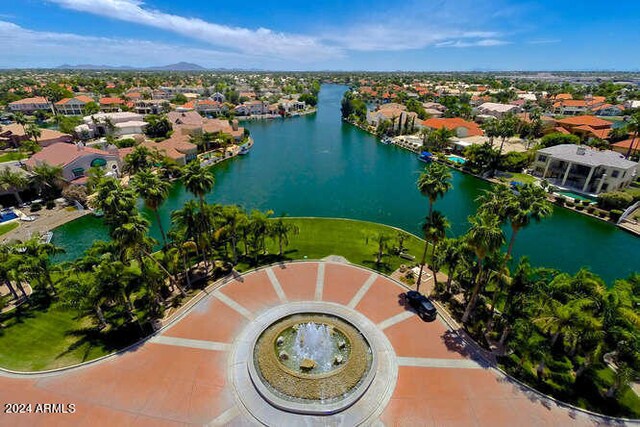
(520, 177)
(12, 156)
(5, 228)
(39, 336)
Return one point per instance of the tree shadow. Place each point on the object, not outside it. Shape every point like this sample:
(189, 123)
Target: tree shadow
(457, 344)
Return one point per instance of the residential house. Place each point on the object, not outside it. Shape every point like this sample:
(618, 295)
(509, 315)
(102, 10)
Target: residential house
(177, 147)
(631, 103)
(75, 160)
(629, 146)
(111, 105)
(584, 169)
(251, 108)
(496, 110)
(210, 107)
(218, 97)
(151, 106)
(117, 124)
(30, 105)
(73, 106)
(12, 135)
(608, 110)
(462, 128)
(586, 126)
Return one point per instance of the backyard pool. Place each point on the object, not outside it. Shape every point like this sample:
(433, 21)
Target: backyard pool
(456, 159)
(7, 215)
(573, 195)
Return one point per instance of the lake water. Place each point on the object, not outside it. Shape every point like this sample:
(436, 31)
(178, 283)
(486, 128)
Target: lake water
(316, 165)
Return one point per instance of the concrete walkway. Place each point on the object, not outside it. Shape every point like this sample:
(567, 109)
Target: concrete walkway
(181, 376)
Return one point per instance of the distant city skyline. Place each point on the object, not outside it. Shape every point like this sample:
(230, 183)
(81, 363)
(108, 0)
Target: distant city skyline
(445, 35)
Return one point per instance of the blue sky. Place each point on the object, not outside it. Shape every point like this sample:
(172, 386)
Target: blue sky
(426, 35)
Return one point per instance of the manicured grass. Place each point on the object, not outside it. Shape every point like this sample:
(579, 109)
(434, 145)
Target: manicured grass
(39, 336)
(520, 177)
(354, 240)
(12, 156)
(5, 228)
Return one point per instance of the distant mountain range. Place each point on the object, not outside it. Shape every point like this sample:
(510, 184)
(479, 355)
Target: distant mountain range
(180, 66)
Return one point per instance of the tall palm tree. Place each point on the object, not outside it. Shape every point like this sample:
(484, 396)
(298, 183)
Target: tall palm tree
(484, 237)
(32, 131)
(434, 183)
(38, 263)
(140, 158)
(14, 181)
(20, 119)
(154, 192)
(435, 230)
(233, 217)
(188, 221)
(47, 179)
(450, 255)
(198, 181)
(281, 230)
(529, 203)
(633, 125)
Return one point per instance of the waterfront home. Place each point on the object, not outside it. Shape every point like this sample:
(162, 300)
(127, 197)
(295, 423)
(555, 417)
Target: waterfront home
(632, 103)
(608, 110)
(151, 106)
(13, 134)
(586, 126)
(177, 147)
(116, 124)
(75, 160)
(630, 145)
(73, 106)
(251, 108)
(291, 105)
(31, 105)
(208, 107)
(584, 169)
(572, 107)
(111, 105)
(462, 128)
(496, 110)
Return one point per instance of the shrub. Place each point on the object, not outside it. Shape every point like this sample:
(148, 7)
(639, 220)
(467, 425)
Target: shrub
(560, 200)
(615, 214)
(125, 143)
(50, 204)
(558, 139)
(586, 203)
(579, 207)
(36, 207)
(602, 214)
(591, 209)
(514, 162)
(615, 200)
(571, 203)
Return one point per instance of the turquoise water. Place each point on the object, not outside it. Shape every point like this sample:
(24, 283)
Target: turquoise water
(576, 196)
(318, 166)
(457, 159)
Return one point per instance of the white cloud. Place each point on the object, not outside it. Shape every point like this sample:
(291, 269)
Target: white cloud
(543, 41)
(473, 43)
(261, 41)
(43, 48)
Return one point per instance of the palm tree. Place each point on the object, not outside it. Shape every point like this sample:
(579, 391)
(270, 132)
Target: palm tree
(507, 127)
(434, 182)
(47, 179)
(32, 131)
(154, 192)
(232, 219)
(633, 125)
(450, 254)
(14, 181)
(198, 181)
(381, 240)
(38, 263)
(20, 119)
(281, 230)
(434, 229)
(188, 221)
(259, 228)
(529, 203)
(484, 237)
(140, 158)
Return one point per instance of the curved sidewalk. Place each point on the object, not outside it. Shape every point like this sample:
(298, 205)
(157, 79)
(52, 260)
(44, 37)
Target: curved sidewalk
(180, 376)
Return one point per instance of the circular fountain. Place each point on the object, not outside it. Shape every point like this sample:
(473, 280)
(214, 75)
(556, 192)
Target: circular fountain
(311, 358)
(320, 360)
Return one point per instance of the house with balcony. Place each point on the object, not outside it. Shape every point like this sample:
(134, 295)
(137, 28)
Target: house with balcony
(111, 104)
(584, 169)
(151, 106)
(586, 127)
(116, 124)
(73, 106)
(76, 160)
(30, 105)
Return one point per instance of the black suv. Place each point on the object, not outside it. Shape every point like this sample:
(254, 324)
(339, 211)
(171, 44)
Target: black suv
(421, 304)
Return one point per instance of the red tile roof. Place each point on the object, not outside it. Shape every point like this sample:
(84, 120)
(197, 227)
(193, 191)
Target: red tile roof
(453, 124)
(60, 154)
(585, 120)
(111, 101)
(34, 100)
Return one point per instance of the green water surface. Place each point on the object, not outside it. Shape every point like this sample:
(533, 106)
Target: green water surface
(316, 165)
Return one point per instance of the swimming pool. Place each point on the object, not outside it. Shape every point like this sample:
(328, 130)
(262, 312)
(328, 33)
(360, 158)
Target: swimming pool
(7, 216)
(573, 195)
(457, 159)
